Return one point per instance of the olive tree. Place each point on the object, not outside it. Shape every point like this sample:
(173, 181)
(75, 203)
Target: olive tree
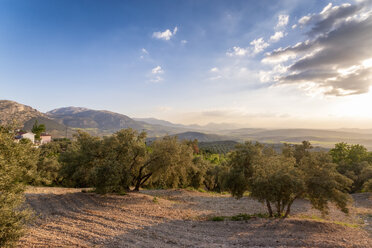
(17, 168)
(277, 180)
(167, 162)
(355, 162)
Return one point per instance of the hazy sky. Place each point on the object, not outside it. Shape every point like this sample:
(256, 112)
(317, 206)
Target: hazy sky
(257, 63)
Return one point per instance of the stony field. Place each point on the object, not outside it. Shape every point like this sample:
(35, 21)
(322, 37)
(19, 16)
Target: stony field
(182, 218)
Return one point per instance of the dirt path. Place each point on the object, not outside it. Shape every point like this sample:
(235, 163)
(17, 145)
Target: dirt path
(179, 218)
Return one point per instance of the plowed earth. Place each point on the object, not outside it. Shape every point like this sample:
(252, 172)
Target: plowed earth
(180, 218)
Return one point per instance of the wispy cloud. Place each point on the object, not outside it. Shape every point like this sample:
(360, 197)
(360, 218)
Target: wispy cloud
(259, 44)
(156, 74)
(165, 35)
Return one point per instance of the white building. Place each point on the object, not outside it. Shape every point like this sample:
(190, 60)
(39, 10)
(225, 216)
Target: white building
(28, 135)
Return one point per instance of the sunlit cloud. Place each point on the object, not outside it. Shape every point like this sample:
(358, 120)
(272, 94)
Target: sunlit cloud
(333, 58)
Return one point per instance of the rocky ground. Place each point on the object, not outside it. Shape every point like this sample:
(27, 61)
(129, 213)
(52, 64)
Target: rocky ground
(181, 218)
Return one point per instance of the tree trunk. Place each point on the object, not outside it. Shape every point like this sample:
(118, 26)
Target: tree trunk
(288, 210)
(136, 188)
(278, 208)
(269, 208)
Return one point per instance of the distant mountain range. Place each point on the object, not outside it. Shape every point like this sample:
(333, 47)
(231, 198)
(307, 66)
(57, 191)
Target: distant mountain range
(65, 121)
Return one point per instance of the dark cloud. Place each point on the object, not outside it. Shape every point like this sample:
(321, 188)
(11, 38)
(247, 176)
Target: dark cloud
(339, 40)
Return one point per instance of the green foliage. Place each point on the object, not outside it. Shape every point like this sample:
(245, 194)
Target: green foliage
(48, 167)
(355, 162)
(38, 129)
(241, 163)
(117, 162)
(217, 147)
(79, 160)
(367, 187)
(169, 164)
(278, 180)
(17, 167)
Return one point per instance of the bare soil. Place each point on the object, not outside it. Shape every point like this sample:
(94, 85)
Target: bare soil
(181, 218)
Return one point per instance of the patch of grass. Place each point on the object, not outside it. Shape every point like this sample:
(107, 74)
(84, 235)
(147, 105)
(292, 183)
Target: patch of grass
(88, 191)
(155, 200)
(201, 190)
(346, 224)
(122, 192)
(241, 217)
(317, 218)
(218, 218)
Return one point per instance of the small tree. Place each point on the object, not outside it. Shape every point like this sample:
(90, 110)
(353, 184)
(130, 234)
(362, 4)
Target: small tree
(38, 129)
(276, 180)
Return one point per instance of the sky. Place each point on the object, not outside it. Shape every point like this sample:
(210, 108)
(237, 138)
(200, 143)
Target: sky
(273, 64)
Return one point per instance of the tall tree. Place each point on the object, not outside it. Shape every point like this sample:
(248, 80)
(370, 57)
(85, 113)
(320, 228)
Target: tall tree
(38, 129)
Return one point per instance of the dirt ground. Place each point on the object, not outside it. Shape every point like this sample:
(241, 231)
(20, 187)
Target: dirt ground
(181, 218)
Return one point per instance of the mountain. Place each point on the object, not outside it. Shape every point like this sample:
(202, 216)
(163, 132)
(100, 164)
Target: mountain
(208, 127)
(103, 122)
(87, 118)
(154, 121)
(24, 117)
(15, 113)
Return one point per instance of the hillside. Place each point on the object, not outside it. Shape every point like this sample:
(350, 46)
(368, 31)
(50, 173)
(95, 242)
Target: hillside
(201, 137)
(24, 117)
(103, 122)
(324, 138)
(54, 128)
(15, 113)
(93, 119)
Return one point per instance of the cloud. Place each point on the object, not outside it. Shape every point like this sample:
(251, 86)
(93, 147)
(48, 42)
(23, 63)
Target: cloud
(214, 69)
(144, 53)
(165, 35)
(282, 21)
(333, 57)
(183, 42)
(276, 37)
(156, 79)
(259, 45)
(237, 51)
(156, 74)
(157, 70)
